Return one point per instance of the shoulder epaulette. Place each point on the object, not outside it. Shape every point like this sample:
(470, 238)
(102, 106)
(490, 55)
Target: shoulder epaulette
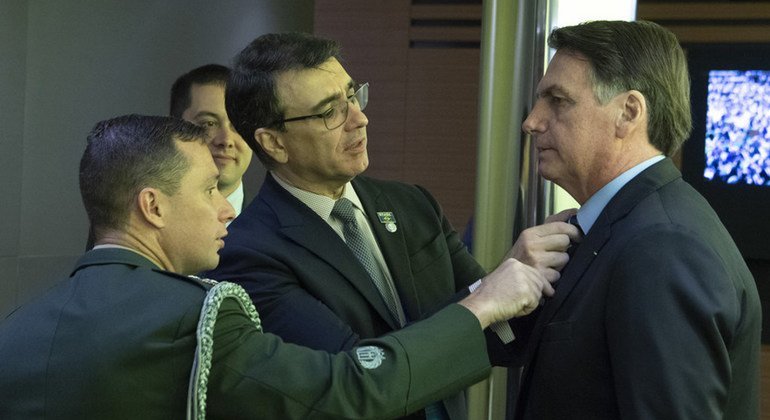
(208, 282)
(199, 377)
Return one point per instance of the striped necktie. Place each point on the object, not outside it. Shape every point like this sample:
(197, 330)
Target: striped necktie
(343, 211)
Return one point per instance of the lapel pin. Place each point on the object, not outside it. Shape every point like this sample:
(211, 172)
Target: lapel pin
(388, 219)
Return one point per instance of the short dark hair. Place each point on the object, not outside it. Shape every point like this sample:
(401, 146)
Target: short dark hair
(251, 99)
(642, 56)
(204, 75)
(125, 154)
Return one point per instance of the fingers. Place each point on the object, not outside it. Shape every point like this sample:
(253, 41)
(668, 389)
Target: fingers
(554, 259)
(575, 235)
(552, 228)
(536, 284)
(540, 246)
(550, 275)
(513, 289)
(548, 289)
(561, 216)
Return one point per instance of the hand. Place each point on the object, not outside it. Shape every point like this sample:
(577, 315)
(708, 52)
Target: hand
(561, 216)
(544, 247)
(512, 289)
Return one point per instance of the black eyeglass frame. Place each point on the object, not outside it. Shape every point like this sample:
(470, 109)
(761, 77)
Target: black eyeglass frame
(362, 97)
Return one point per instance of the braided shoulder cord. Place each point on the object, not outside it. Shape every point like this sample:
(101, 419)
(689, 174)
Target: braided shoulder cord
(199, 376)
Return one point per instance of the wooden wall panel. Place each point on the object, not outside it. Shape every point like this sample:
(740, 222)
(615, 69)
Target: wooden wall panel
(374, 36)
(452, 33)
(694, 11)
(442, 126)
(710, 21)
(454, 11)
(423, 90)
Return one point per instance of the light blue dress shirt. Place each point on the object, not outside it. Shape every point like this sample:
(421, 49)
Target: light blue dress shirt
(590, 211)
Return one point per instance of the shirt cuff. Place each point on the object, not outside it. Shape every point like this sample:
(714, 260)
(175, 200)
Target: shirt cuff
(501, 328)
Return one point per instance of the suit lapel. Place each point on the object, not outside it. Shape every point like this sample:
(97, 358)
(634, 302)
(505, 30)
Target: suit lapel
(644, 184)
(392, 244)
(304, 227)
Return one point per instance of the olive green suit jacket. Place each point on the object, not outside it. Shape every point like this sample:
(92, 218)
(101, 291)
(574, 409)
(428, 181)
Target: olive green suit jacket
(117, 340)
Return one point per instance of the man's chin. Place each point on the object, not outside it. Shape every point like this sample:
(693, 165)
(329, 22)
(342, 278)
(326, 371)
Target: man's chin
(545, 170)
(209, 265)
(363, 165)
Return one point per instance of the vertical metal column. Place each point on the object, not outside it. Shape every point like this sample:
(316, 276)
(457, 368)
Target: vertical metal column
(507, 48)
(538, 200)
(514, 56)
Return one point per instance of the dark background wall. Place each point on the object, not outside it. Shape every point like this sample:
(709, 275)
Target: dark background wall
(66, 65)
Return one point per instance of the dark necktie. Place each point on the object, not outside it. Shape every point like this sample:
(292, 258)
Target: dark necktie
(343, 211)
(573, 220)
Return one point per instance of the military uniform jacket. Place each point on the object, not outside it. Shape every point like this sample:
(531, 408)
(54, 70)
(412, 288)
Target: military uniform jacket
(117, 340)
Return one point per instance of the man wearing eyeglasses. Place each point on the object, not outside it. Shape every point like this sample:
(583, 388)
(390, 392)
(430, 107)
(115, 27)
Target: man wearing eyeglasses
(329, 256)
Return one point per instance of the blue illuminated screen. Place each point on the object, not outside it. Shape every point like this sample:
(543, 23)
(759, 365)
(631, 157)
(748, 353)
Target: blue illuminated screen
(738, 127)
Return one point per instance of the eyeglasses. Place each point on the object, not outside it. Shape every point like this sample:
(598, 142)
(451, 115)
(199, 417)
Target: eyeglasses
(338, 113)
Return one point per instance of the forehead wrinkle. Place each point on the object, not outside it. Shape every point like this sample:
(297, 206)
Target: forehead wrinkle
(338, 94)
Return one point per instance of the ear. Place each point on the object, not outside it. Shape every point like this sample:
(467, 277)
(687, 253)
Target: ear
(152, 205)
(633, 114)
(272, 142)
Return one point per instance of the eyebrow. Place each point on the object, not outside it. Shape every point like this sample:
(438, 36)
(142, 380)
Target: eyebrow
(206, 114)
(213, 178)
(553, 90)
(333, 97)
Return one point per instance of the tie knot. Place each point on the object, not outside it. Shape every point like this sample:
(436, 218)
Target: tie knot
(343, 210)
(573, 220)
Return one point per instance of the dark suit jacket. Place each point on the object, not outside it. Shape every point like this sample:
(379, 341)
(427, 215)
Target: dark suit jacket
(310, 288)
(117, 339)
(656, 317)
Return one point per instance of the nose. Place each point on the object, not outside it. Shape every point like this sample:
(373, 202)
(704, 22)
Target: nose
(533, 124)
(226, 210)
(225, 137)
(356, 117)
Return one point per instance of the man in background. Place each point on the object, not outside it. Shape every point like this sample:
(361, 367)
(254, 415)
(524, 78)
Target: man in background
(198, 96)
(656, 315)
(124, 334)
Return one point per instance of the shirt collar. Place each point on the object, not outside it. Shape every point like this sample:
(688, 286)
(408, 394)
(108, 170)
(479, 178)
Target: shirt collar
(320, 204)
(236, 199)
(590, 211)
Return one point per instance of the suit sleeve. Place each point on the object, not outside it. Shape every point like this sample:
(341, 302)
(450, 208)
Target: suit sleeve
(256, 375)
(288, 309)
(671, 309)
(467, 271)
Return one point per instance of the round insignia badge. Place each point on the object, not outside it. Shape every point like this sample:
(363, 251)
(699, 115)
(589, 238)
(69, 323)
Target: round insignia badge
(390, 227)
(370, 357)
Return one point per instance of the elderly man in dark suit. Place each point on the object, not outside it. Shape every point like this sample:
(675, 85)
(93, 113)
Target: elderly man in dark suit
(656, 316)
(328, 255)
(129, 335)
